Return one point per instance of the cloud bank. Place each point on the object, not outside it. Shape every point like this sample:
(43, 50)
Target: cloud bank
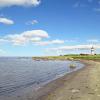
(26, 37)
(76, 47)
(7, 3)
(35, 37)
(44, 43)
(93, 41)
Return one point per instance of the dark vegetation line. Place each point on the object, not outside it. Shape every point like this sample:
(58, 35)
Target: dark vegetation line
(70, 57)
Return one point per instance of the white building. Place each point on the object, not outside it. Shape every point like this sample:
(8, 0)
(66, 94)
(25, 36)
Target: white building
(92, 51)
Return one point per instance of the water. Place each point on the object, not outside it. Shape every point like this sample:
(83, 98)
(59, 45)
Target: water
(18, 74)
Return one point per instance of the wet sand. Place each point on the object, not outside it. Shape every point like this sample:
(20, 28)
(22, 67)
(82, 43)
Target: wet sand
(83, 84)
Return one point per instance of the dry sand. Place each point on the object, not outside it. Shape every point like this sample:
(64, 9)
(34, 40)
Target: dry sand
(80, 85)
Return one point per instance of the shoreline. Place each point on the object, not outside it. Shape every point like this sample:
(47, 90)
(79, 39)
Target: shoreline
(73, 86)
(82, 84)
(31, 92)
(44, 91)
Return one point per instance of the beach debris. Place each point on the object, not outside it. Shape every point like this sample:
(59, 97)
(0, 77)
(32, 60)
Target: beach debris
(75, 90)
(75, 97)
(91, 93)
(96, 90)
(87, 87)
(72, 66)
(70, 59)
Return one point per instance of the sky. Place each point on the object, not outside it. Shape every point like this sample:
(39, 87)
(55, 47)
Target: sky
(48, 27)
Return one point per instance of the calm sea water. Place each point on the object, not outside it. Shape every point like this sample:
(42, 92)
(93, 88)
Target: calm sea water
(18, 74)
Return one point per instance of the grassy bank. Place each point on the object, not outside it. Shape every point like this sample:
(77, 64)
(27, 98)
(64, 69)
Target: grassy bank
(85, 57)
(69, 57)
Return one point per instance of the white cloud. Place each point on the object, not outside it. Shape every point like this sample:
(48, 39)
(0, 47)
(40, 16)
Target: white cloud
(32, 36)
(73, 40)
(35, 33)
(7, 3)
(26, 37)
(36, 39)
(6, 21)
(93, 41)
(44, 43)
(17, 39)
(58, 41)
(32, 22)
(75, 47)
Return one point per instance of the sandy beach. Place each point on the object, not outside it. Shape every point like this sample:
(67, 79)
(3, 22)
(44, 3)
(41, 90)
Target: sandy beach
(83, 84)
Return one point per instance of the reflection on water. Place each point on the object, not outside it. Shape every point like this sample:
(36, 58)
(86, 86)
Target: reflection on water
(16, 74)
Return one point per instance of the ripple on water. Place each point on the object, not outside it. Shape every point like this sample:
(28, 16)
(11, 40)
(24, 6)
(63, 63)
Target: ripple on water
(16, 74)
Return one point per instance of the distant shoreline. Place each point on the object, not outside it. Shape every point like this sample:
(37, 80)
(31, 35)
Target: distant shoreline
(69, 57)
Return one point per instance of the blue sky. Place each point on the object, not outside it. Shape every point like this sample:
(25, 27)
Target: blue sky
(34, 28)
